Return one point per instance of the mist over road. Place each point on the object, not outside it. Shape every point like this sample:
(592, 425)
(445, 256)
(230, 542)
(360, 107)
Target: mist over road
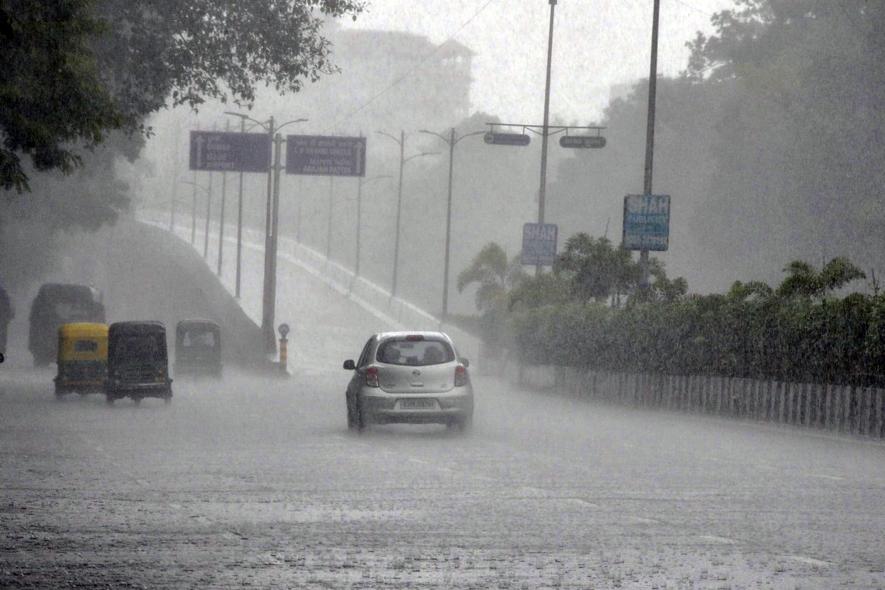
(258, 482)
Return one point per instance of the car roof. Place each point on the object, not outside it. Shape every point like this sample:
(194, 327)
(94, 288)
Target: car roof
(424, 333)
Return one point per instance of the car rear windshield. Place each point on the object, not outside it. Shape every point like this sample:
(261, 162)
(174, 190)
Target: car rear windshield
(402, 351)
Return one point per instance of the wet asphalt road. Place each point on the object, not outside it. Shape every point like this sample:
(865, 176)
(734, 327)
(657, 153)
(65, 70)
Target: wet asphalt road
(258, 483)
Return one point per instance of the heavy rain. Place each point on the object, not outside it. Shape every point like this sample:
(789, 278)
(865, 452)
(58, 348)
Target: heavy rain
(442, 294)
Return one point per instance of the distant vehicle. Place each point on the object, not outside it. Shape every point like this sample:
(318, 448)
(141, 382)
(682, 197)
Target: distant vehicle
(138, 364)
(198, 348)
(57, 304)
(411, 377)
(82, 358)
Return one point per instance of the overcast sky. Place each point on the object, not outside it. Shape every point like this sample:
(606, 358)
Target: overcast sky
(597, 43)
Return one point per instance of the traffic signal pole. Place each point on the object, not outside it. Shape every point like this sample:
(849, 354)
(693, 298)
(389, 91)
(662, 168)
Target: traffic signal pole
(267, 327)
(542, 192)
(650, 130)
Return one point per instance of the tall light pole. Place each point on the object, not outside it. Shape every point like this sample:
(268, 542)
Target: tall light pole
(271, 225)
(329, 218)
(194, 205)
(208, 217)
(542, 193)
(243, 119)
(221, 224)
(650, 127)
(174, 181)
(452, 140)
(399, 200)
(359, 217)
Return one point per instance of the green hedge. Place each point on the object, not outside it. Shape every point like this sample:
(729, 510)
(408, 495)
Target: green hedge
(830, 341)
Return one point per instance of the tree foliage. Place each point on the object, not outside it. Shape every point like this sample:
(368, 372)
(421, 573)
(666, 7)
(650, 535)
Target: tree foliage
(751, 331)
(77, 69)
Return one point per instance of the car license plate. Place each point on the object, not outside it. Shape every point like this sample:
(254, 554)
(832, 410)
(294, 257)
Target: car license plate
(417, 404)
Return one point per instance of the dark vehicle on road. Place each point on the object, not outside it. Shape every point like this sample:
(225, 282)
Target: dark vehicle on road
(57, 304)
(82, 358)
(197, 348)
(138, 365)
(411, 377)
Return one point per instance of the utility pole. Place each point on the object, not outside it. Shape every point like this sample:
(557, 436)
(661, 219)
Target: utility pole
(221, 225)
(359, 216)
(240, 219)
(399, 208)
(174, 181)
(399, 200)
(542, 192)
(194, 207)
(208, 217)
(271, 225)
(452, 141)
(329, 219)
(272, 293)
(650, 129)
(267, 313)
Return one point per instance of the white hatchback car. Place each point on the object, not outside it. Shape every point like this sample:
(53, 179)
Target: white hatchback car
(412, 377)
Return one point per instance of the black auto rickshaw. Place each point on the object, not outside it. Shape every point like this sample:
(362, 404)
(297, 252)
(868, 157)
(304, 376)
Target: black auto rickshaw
(197, 348)
(57, 304)
(138, 364)
(82, 358)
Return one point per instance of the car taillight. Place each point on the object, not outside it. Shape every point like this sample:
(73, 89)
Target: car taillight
(460, 376)
(372, 377)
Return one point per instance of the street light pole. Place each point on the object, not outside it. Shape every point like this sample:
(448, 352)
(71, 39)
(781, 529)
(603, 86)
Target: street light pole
(266, 311)
(359, 216)
(399, 208)
(174, 182)
(452, 141)
(329, 219)
(194, 212)
(221, 225)
(650, 128)
(208, 217)
(240, 219)
(542, 193)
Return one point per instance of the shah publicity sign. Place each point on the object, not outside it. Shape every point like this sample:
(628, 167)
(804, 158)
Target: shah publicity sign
(539, 243)
(646, 222)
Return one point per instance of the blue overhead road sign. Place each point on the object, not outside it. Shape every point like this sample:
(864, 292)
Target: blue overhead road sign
(646, 222)
(539, 243)
(221, 151)
(318, 155)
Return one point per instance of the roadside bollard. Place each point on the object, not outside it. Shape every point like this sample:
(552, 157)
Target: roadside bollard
(284, 348)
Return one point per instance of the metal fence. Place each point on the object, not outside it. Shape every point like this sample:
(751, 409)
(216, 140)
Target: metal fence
(838, 408)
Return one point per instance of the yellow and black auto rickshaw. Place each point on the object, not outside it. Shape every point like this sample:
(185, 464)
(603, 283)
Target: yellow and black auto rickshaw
(82, 358)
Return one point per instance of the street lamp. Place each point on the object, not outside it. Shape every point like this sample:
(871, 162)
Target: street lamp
(271, 224)
(359, 215)
(399, 198)
(194, 206)
(452, 141)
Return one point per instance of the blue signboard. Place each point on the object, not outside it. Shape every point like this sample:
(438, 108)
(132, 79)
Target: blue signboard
(646, 222)
(318, 155)
(539, 243)
(222, 151)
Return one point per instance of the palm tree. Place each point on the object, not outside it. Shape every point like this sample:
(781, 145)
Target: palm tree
(494, 274)
(805, 281)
